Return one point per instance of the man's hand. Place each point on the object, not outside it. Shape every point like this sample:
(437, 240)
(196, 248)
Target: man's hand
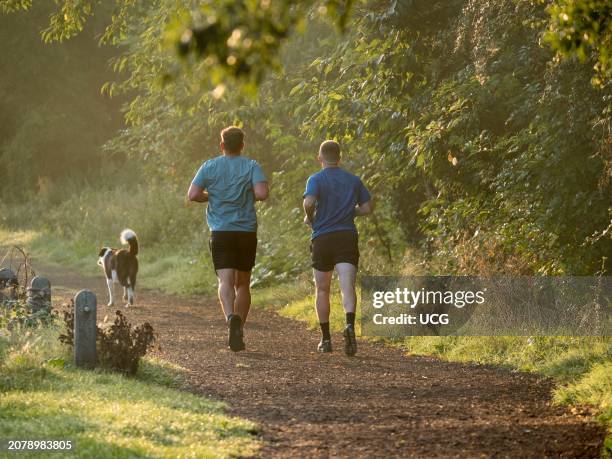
(197, 194)
(364, 209)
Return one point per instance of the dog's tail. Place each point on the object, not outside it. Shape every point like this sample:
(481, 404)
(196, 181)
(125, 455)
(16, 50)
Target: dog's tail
(129, 237)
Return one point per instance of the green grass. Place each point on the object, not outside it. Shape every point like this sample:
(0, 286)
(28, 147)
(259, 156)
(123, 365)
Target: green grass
(109, 415)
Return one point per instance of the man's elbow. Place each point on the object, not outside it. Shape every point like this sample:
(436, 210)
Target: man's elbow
(309, 205)
(191, 196)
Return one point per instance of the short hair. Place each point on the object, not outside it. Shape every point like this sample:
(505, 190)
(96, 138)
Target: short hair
(232, 138)
(330, 151)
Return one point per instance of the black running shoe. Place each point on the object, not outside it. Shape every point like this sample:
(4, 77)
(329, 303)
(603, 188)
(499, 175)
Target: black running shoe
(235, 339)
(350, 342)
(324, 346)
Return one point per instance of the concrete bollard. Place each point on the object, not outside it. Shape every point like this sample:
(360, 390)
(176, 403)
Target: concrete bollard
(85, 309)
(39, 294)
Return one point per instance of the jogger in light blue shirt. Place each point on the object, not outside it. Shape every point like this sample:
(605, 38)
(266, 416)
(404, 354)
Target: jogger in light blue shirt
(231, 184)
(229, 181)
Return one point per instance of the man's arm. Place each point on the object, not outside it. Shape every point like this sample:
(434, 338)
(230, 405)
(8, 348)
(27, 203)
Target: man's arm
(261, 191)
(310, 204)
(197, 194)
(364, 209)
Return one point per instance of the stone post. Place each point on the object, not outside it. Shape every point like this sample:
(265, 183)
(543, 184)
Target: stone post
(39, 294)
(85, 308)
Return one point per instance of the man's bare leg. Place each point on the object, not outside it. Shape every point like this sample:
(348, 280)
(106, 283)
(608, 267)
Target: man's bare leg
(242, 286)
(227, 297)
(347, 274)
(323, 286)
(227, 294)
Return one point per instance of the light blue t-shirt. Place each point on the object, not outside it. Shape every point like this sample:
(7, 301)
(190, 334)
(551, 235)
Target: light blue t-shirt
(337, 192)
(229, 181)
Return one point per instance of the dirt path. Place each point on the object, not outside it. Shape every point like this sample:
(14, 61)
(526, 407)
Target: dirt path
(379, 404)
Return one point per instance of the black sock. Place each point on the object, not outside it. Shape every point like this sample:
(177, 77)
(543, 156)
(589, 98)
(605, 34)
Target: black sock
(350, 318)
(325, 330)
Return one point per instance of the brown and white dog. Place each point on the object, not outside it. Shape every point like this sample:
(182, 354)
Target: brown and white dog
(121, 265)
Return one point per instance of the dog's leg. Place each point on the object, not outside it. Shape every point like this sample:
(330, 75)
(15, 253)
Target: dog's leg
(111, 288)
(132, 281)
(125, 293)
(130, 296)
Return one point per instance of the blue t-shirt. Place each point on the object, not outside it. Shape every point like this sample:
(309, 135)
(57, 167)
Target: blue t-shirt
(229, 181)
(337, 192)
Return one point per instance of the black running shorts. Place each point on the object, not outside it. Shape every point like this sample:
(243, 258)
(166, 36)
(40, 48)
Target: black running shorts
(329, 249)
(233, 249)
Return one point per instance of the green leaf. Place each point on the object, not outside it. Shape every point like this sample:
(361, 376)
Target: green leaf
(58, 362)
(296, 88)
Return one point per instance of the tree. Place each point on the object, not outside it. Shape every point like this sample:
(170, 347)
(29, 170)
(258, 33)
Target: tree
(583, 28)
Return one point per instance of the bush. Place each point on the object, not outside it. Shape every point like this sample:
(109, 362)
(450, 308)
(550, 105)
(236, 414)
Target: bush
(15, 314)
(119, 346)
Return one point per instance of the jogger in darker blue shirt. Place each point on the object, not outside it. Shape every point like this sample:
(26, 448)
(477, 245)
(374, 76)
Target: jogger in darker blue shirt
(332, 200)
(337, 192)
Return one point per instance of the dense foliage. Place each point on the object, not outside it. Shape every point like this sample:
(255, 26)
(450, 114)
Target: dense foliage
(484, 150)
(475, 129)
(583, 28)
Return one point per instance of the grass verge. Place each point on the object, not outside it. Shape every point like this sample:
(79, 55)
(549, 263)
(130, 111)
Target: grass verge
(105, 414)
